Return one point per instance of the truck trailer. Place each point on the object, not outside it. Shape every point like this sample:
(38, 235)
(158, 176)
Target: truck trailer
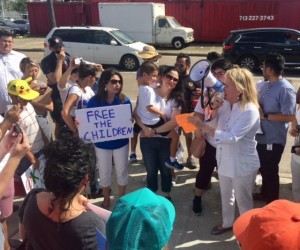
(145, 22)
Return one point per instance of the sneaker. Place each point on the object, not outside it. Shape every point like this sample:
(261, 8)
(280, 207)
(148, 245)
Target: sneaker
(190, 163)
(132, 158)
(197, 206)
(174, 164)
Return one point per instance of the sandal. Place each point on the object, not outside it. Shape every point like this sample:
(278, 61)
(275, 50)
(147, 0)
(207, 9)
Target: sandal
(220, 229)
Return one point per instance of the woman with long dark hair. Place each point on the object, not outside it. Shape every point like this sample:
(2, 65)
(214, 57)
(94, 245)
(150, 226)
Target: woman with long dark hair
(109, 93)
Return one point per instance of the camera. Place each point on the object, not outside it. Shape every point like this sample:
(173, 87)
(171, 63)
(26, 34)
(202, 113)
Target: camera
(78, 60)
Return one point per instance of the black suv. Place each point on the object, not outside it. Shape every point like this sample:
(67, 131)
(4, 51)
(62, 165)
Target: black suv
(248, 47)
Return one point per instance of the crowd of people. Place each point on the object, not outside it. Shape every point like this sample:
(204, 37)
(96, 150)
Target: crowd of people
(234, 116)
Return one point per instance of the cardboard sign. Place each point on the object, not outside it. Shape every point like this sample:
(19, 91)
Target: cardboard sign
(184, 123)
(105, 123)
(34, 178)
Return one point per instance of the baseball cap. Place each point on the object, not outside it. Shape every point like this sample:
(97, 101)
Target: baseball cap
(141, 220)
(275, 226)
(149, 52)
(55, 42)
(21, 88)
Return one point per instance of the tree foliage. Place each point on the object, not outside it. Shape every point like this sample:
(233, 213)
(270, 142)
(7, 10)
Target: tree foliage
(19, 6)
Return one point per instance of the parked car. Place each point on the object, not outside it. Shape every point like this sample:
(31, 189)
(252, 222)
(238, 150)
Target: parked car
(22, 24)
(248, 47)
(100, 45)
(13, 26)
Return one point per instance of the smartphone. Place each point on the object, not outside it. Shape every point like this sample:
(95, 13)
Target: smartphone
(18, 130)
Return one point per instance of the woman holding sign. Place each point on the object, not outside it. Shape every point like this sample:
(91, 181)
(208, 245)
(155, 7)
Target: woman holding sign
(109, 93)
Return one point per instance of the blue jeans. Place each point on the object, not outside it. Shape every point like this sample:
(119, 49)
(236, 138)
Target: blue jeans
(156, 151)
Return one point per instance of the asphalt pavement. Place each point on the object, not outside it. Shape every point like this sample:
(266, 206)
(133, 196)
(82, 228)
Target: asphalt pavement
(190, 232)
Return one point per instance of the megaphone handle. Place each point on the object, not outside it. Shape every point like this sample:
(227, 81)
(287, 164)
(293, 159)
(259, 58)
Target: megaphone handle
(202, 94)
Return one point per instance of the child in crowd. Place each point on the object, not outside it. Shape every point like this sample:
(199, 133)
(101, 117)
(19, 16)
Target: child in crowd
(21, 94)
(148, 54)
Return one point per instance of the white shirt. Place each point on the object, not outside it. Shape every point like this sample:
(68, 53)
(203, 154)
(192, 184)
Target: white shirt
(297, 157)
(83, 97)
(235, 138)
(148, 97)
(31, 127)
(9, 70)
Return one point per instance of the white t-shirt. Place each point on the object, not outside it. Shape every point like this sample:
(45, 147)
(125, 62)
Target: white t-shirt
(83, 97)
(31, 127)
(148, 97)
(73, 88)
(168, 108)
(9, 70)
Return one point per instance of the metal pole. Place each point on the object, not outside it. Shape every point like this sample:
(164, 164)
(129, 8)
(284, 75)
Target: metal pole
(51, 12)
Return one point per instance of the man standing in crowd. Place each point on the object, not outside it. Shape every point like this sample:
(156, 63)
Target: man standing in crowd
(9, 67)
(191, 94)
(277, 99)
(53, 66)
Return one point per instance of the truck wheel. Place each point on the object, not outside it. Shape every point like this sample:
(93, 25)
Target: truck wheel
(129, 62)
(249, 62)
(178, 43)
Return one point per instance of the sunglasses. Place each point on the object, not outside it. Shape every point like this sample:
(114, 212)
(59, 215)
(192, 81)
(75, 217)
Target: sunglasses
(171, 78)
(114, 81)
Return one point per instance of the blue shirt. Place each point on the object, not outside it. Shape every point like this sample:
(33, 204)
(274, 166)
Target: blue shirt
(278, 97)
(113, 144)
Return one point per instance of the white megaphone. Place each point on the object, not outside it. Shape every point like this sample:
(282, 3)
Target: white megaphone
(202, 77)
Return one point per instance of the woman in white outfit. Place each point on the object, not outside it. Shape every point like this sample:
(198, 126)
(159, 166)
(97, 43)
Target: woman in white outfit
(238, 162)
(295, 162)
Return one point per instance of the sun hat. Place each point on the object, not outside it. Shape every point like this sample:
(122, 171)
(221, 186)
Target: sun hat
(141, 220)
(55, 42)
(275, 226)
(149, 52)
(21, 88)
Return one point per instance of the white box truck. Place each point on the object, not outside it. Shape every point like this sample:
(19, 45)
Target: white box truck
(145, 22)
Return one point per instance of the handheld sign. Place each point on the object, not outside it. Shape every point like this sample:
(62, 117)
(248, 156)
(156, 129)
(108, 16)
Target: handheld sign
(105, 123)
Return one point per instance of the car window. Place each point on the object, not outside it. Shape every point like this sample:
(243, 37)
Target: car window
(74, 35)
(122, 37)
(265, 36)
(292, 38)
(102, 37)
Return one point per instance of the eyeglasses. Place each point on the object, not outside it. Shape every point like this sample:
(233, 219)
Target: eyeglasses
(171, 78)
(179, 65)
(114, 81)
(218, 74)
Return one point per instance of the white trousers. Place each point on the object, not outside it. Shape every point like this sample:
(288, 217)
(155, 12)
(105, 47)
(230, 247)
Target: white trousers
(104, 163)
(295, 168)
(237, 189)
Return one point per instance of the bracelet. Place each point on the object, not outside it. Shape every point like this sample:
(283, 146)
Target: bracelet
(266, 116)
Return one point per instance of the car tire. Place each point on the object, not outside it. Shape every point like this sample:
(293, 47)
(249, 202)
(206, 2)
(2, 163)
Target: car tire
(129, 62)
(178, 43)
(248, 61)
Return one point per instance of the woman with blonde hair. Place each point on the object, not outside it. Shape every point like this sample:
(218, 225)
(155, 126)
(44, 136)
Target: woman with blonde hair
(237, 158)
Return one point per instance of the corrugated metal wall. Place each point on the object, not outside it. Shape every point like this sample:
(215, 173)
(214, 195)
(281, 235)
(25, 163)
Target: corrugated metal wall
(211, 20)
